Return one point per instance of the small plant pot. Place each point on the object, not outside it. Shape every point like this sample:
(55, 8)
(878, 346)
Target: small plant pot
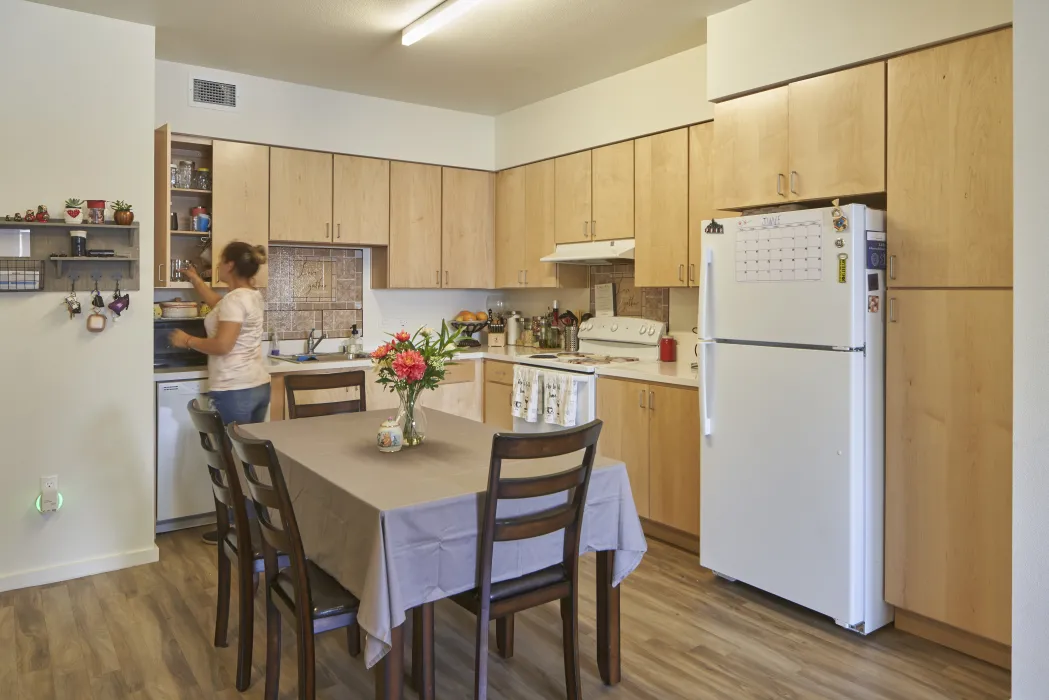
(124, 218)
(74, 215)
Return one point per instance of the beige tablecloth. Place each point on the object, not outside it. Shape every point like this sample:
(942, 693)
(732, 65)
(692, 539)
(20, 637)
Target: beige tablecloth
(398, 530)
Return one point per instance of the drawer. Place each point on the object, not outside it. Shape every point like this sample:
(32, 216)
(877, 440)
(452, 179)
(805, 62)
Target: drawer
(459, 373)
(499, 372)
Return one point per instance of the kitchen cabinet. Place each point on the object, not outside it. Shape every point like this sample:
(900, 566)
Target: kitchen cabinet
(950, 164)
(948, 457)
(361, 201)
(415, 226)
(612, 215)
(750, 148)
(623, 408)
(240, 200)
(461, 393)
(572, 202)
(837, 134)
(468, 229)
(162, 204)
(700, 194)
(498, 393)
(510, 228)
(300, 196)
(661, 210)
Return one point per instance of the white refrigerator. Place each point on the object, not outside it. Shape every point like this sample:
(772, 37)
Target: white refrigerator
(792, 328)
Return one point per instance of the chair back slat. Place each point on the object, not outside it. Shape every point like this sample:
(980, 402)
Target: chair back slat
(526, 527)
(225, 481)
(294, 383)
(534, 486)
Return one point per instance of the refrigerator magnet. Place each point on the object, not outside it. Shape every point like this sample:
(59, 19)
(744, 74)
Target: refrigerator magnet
(843, 268)
(841, 222)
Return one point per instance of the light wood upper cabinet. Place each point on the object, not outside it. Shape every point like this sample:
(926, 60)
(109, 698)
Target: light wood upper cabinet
(674, 457)
(162, 205)
(539, 215)
(623, 407)
(361, 201)
(415, 226)
(510, 228)
(751, 150)
(700, 194)
(948, 457)
(950, 146)
(240, 199)
(300, 195)
(837, 134)
(612, 214)
(661, 210)
(572, 178)
(468, 229)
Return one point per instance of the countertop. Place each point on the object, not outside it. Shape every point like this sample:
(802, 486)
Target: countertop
(678, 373)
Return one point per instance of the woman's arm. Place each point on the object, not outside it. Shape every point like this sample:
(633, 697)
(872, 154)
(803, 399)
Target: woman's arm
(224, 340)
(208, 295)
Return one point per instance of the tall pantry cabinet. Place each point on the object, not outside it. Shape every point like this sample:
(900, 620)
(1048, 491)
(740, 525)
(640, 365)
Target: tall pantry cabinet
(949, 343)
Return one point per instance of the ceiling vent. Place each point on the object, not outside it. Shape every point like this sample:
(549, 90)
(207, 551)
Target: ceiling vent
(212, 94)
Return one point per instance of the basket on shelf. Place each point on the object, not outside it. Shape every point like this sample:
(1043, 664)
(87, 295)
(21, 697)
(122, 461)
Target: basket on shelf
(21, 275)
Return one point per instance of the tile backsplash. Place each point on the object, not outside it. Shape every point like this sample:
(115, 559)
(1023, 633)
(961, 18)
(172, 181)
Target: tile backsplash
(652, 303)
(314, 288)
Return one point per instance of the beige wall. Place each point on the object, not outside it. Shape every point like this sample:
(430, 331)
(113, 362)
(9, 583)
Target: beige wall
(657, 96)
(765, 42)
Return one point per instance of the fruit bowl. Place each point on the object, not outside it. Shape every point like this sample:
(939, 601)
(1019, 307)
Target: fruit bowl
(468, 327)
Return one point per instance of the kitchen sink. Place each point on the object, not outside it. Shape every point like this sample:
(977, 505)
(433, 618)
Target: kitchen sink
(320, 357)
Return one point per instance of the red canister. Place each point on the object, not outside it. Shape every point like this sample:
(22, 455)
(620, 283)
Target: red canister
(667, 349)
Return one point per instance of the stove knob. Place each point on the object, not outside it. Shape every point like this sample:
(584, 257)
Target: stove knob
(652, 330)
(615, 327)
(641, 330)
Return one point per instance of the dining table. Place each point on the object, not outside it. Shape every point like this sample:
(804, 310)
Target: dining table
(401, 530)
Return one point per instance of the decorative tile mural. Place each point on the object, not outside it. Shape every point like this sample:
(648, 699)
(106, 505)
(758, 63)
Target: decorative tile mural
(318, 288)
(651, 303)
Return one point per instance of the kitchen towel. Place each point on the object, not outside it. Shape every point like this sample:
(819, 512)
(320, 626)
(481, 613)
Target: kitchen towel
(527, 385)
(559, 398)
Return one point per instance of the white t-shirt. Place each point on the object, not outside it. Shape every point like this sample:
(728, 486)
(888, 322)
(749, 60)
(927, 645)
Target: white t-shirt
(244, 366)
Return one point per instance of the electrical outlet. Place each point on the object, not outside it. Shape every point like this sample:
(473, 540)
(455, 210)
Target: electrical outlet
(50, 499)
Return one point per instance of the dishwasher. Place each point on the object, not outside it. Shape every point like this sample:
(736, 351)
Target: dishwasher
(184, 497)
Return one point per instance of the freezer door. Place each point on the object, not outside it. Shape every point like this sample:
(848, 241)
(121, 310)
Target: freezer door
(782, 474)
(786, 278)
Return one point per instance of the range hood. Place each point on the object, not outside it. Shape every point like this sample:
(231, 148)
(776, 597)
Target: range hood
(592, 252)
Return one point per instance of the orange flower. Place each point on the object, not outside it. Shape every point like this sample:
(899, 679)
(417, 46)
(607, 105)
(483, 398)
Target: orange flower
(402, 337)
(382, 351)
(409, 366)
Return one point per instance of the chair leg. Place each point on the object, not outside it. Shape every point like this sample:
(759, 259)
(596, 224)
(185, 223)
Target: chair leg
(222, 607)
(570, 624)
(504, 636)
(481, 658)
(246, 635)
(353, 639)
(272, 650)
(307, 660)
(423, 677)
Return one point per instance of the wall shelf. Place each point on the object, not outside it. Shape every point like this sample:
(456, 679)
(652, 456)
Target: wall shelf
(49, 241)
(61, 224)
(180, 190)
(80, 263)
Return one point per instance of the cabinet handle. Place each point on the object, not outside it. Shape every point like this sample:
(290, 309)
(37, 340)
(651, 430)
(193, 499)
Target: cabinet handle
(892, 267)
(779, 184)
(593, 230)
(892, 309)
(526, 277)
(651, 400)
(692, 272)
(793, 179)
(641, 399)
(681, 273)
(446, 278)
(340, 230)
(160, 272)
(519, 282)
(327, 230)
(438, 277)
(586, 229)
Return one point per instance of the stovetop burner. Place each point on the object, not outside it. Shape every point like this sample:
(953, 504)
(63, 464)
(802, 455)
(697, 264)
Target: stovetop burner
(583, 358)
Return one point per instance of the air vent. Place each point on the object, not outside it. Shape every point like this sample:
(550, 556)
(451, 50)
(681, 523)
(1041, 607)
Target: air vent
(212, 94)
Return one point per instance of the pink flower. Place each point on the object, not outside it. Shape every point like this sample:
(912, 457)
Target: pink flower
(382, 351)
(402, 337)
(409, 366)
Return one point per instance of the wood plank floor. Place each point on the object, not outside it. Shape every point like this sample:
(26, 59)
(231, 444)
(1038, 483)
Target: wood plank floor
(146, 633)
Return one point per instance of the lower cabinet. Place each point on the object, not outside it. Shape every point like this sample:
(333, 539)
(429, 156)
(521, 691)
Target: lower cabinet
(498, 392)
(654, 430)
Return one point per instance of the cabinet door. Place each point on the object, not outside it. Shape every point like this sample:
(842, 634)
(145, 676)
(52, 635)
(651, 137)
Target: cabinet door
(613, 191)
(300, 195)
(497, 399)
(361, 201)
(468, 229)
(162, 205)
(950, 166)
(510, 228)
(623, 406)
(415, 226)
(700, 194)
(948, 457)
(673, 456)
(461, 393)
(572, 198)
(661, 210)
(750, 148)
(240, 199)
(837, 134)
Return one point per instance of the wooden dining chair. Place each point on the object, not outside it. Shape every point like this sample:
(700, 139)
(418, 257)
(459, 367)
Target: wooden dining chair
(303, 591)
(500, 601)
(238, 539)
(324, 382)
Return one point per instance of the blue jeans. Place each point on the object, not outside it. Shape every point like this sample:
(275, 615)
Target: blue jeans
(242, 405)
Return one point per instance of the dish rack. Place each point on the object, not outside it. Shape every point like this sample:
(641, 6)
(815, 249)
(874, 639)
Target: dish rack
(21, 275)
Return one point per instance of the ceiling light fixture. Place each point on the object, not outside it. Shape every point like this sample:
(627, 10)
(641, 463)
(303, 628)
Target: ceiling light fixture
(443, 14)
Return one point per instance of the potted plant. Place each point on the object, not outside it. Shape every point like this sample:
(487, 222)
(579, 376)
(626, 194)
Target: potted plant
(74, 211)
(122, 213)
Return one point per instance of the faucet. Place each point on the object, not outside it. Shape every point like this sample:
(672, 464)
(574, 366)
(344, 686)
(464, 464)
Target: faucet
(312, 343)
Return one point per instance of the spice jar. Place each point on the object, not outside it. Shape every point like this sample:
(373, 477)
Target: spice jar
(96, 211)
(202, 179)
(185, 174)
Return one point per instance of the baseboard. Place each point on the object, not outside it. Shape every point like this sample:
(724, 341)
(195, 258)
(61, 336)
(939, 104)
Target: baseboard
(78, 569)
(670, 535)
(966, 642)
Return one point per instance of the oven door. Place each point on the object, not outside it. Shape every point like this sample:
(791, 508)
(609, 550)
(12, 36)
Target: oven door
(586, 404)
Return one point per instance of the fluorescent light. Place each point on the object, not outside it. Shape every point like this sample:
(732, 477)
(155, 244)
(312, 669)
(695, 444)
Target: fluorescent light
(443, 14)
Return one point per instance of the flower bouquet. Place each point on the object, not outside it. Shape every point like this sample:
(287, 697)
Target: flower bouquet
(410, 363)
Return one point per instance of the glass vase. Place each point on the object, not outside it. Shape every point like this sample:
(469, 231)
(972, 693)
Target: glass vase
(411, 418)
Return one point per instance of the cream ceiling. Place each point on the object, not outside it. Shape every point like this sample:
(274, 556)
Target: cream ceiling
(501, 55)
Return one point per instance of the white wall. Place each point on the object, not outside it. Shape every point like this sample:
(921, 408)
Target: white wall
(79, 122)
(765, 42)
(661, 95)
(287, 114)
(1030, 340)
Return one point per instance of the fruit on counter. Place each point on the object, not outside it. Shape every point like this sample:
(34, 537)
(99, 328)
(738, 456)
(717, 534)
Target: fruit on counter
(481, 316)
(466, 317)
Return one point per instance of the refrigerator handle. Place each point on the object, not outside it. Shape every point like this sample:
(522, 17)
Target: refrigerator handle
(704, 403)
(704, 330)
